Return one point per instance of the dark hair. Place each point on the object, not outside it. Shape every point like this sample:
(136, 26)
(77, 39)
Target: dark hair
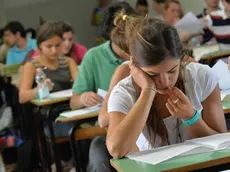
(15, 27)
(168, 2)
(142, 3)
(110, 14)
(150, 41)
(32, 32)
(160, 1)
(65, 27)
(47, 31)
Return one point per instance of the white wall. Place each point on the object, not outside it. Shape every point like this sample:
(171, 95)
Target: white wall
(2, 15)
(18, 3)
(76, 12)
(196, 6)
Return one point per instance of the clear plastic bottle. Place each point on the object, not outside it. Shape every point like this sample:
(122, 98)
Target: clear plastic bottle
(43, 89)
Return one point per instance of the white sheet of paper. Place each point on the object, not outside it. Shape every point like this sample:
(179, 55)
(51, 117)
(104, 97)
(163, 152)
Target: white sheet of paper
(225, 95)
(102, 93)
(61, 94)
(221, 70)
(217, 141)
(80, 112)
(164, 154)
(190, 23)
(189, 147)
(201, 51)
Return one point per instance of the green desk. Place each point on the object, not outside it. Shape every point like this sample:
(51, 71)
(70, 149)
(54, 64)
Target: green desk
(48, 101)
(10, 70)
(226, 107)
(182, 163)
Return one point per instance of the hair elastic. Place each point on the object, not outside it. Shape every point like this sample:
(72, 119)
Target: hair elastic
(124, 17)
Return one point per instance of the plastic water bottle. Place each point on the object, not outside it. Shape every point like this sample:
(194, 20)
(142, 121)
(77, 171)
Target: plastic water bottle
(43, 89)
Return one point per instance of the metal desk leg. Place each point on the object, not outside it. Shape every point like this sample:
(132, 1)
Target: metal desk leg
(76, 147)
(74, 144)
(44, 149)
(53, 142)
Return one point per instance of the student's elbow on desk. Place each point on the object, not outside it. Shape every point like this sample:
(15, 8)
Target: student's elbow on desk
(115, 149)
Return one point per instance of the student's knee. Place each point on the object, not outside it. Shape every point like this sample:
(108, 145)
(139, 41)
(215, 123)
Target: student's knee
(60, 129)
(99, 156)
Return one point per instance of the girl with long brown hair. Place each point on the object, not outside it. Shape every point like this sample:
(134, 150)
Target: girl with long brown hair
(164, 101)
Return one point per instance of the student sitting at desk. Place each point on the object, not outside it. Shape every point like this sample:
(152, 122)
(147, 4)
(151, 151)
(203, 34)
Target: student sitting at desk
(69, 47)
(218, 23)
(173, 12)
(14, 33)
(61, 70)
(120, 73)
(162, 101)
(96, 72)
(212, 6)
(99, 64)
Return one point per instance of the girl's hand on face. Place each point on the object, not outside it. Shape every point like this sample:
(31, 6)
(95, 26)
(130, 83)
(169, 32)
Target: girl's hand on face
(140, 77)
(179, 105)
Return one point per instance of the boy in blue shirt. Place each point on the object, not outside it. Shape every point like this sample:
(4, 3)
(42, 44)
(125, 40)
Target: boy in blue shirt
(15, 34)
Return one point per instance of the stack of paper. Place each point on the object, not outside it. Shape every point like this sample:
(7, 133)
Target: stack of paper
(189, 147)
(61, 94)
(80, 112)
(190, 23)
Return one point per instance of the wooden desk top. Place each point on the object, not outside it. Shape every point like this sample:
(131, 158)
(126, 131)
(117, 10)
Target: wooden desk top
(210, 52)
(226, 107)
(56, 97)
(216, 55)
(182, 163)
(49, 101)
(10, 69)
(62, 119)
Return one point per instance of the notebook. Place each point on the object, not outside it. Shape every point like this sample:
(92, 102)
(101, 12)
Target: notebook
(61, 94)
(84, 111)
(194, 146)
(87, 110)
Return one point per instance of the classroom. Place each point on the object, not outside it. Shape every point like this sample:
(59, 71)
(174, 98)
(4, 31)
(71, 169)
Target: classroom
(114, 85)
